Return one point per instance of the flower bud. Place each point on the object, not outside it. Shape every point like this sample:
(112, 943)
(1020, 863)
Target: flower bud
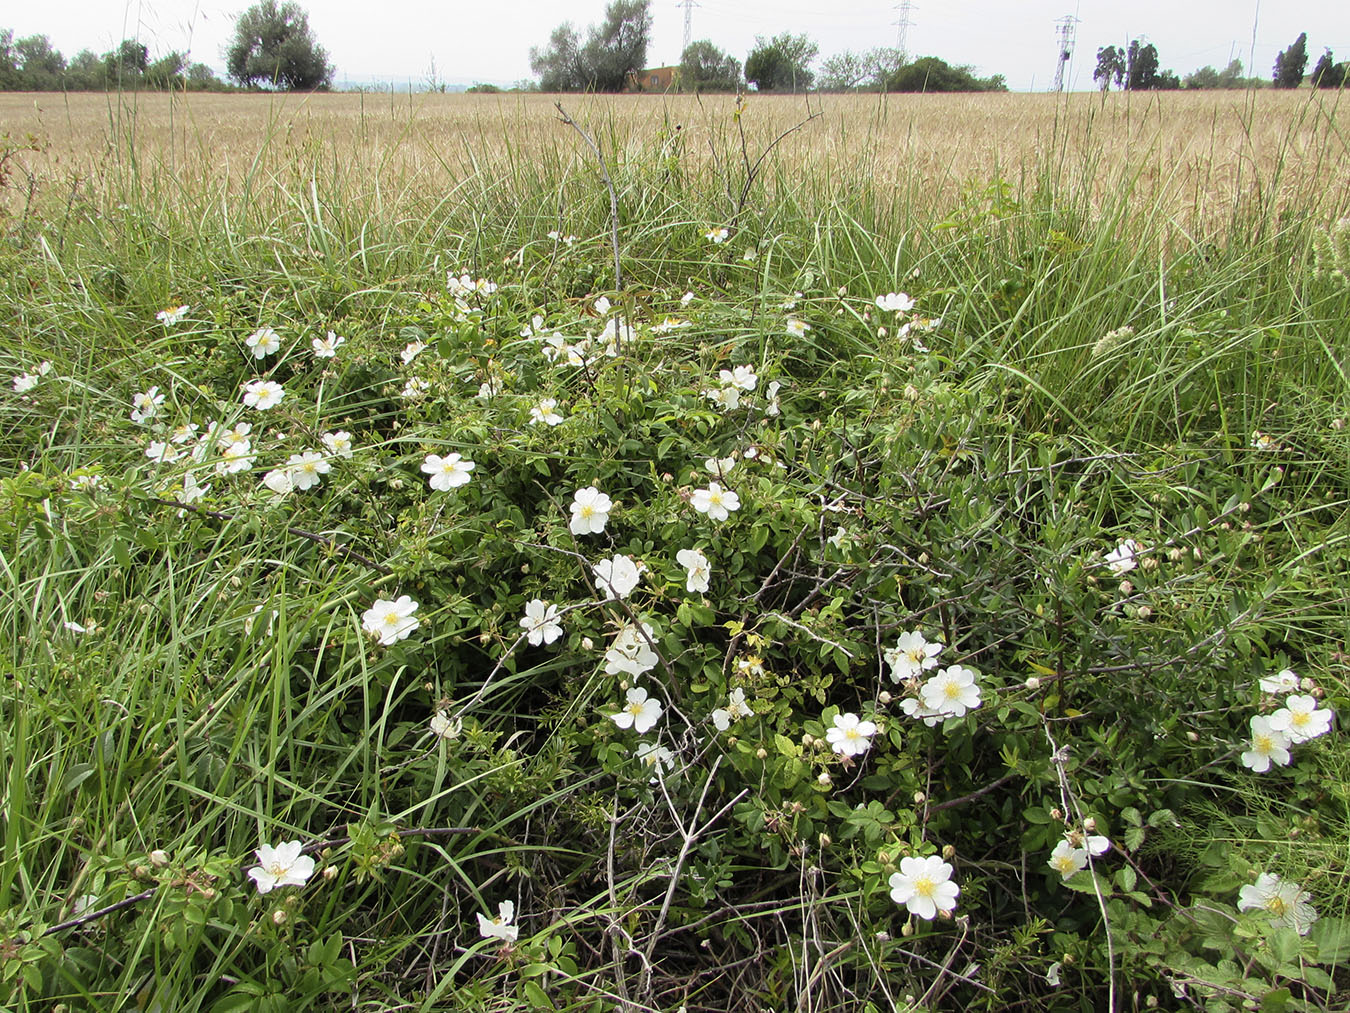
(1089, 823)
(883, 697)
(1192, 737)
(883, 937)
(907, 929)
(808, 740)
(330, 873)
(159, 858)
(1338, 424)
(761, 753)
(1176, 553)
(824, 780)
(1057, 814)
(587, 644)
(279, 916)
(1126, 587)
(1033, 683)
(142, 871)
(881, 332)
(949, 851)
(920, 798)
(825, 841)
(1144, 611)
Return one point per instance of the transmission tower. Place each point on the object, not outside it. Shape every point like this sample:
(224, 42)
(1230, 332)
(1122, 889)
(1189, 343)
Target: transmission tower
(688, 6)
(1065, 29)
(903, 24)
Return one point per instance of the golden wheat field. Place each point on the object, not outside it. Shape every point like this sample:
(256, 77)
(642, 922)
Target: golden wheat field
(1192, 154)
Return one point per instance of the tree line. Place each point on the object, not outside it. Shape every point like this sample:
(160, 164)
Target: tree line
(34, 64)
(609, 55)
(272, 47)
(1135, 68)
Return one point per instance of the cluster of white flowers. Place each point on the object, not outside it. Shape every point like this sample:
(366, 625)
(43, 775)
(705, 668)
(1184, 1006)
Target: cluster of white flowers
(727, 396)
(1298, 721)
(631, 652)
(617, 576)
(948, 693)
(464, 286)
(25, 382)
(911, 656)
(716, 236)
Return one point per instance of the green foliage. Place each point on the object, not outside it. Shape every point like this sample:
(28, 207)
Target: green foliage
(1328, 73)
(704, 67)
(273, 46)
(1291, 63)
(1111, 67)
(614, 50)
(929, 74)
(781, 63)
(850, 71)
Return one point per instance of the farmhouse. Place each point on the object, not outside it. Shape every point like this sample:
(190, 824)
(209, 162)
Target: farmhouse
(654, 79)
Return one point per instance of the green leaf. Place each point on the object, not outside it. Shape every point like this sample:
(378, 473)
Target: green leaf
(1332, 936)
(536, 996)
(1275, 1001)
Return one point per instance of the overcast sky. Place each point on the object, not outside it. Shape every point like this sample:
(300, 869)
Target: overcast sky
(397, 40)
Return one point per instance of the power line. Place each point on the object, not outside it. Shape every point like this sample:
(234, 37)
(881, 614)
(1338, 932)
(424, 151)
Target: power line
(688, 6)
(1065, 31)
(902, 25)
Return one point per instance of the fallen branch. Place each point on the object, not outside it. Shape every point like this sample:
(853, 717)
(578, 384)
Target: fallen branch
(609, 185)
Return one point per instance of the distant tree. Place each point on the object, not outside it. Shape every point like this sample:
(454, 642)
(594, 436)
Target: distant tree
(618, 48)
(1231, 76)
(40, 65)
(129, 59)
(274, 46)
(200, 77)
(704, 67)
(930, 74)
(1328, 73)
(782, 62)
(1167, 80)
(86, 72)
(1291, 63)
(9, 61)
(613, 51)
(1204, 79)
(167, 72)
(1141, 67)
(1110, 67)
(559, 65)
(850, 71)
(482, 89)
